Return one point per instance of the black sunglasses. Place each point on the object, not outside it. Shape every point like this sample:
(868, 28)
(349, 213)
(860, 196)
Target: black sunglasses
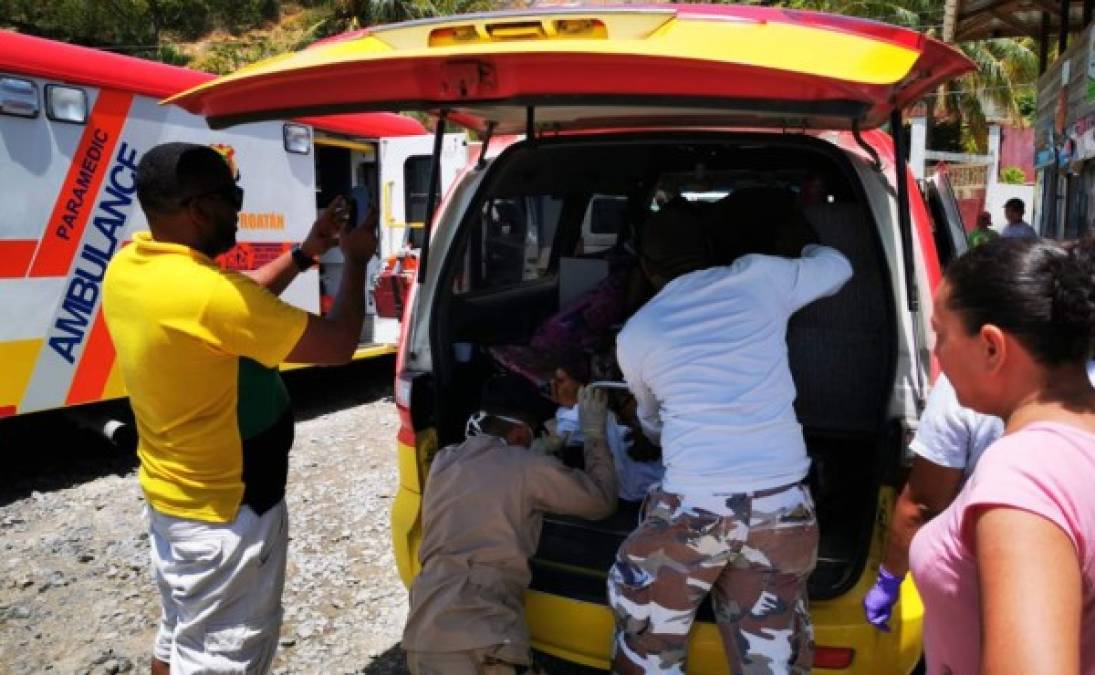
(232, 193)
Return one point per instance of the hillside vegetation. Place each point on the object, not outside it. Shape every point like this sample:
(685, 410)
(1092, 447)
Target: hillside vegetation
(217, 36)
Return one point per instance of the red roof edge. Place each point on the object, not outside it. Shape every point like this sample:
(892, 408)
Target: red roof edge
(375, 124)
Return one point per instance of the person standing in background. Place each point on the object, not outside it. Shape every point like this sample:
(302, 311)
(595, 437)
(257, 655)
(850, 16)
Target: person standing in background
(1017, 227)
(983, 233)
(949, 440)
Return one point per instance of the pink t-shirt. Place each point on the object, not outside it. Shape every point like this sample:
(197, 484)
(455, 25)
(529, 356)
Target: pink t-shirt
(1045, 468)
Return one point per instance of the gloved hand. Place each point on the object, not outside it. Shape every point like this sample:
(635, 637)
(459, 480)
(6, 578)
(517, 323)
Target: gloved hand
(592, 412)
(547, 444)
(879, 601)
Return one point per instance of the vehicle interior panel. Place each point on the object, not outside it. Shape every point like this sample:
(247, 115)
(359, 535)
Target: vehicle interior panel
(841, 348)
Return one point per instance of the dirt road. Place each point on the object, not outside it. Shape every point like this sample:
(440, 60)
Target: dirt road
(76, 594)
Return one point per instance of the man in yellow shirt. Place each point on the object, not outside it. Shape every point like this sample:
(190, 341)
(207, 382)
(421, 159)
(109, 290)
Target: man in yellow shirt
(198, 348)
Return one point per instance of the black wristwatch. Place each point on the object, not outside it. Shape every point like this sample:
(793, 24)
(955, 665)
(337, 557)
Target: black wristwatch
(301, 259)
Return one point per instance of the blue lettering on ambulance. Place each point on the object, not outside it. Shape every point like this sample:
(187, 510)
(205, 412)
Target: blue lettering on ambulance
(82, 293)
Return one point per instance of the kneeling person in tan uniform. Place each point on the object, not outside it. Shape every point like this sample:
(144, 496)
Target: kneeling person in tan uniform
(482, 513)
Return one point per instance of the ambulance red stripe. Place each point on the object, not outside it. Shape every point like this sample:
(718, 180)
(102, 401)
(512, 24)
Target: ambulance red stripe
(94, 367)
(15, 257)
(76, 201)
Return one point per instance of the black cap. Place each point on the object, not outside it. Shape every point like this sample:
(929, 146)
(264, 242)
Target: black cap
(675, 237)
(514, 396)
(170, 172)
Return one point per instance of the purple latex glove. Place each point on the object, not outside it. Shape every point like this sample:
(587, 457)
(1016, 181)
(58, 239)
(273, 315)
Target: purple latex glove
(880, 600)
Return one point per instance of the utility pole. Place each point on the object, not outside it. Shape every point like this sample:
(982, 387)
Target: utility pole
(1062, 37)
(950, 20)
(950, 29)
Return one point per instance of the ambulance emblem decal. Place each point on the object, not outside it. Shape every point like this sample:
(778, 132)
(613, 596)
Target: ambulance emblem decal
(229, 154)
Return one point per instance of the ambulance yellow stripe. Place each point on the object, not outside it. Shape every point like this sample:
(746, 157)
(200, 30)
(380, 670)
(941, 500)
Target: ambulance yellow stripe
(17, 359)
(115, 387)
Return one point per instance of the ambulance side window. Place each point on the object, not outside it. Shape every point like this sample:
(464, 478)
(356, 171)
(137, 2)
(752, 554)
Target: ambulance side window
(510, 244)
(416, 190)
(605, 219)
(416, 187)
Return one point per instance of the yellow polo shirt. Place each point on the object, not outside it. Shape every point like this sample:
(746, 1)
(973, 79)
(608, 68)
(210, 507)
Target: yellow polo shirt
(198, 349)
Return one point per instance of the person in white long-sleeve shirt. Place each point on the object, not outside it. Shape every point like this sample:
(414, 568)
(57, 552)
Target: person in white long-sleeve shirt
(706, 359)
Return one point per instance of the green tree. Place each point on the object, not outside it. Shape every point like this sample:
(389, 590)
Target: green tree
(1007, 68)
(917, 14)
(371, 12)
(95, 22)
(135, 26)
(351, 14)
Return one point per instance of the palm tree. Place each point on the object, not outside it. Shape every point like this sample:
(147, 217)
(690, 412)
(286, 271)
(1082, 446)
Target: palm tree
(450, 7)
(362, 13)
(1007, 68)
(917, 14)
(950, 20)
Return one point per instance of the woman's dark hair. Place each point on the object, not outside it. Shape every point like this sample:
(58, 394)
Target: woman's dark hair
(1039, 290)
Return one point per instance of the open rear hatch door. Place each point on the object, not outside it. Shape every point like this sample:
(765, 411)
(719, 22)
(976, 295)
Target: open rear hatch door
(598, 68)
(571, 69)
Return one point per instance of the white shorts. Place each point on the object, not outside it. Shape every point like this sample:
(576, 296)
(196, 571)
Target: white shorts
(220, 587)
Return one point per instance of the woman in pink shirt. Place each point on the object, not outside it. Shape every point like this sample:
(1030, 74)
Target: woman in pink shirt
(1007, 572)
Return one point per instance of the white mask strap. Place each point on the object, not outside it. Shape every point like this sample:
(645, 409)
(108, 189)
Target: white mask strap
(475, 423)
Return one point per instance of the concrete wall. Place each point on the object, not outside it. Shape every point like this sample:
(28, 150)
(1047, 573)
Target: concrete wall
(1017, 149)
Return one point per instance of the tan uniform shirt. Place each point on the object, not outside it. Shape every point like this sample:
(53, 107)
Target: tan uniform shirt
(482, 514)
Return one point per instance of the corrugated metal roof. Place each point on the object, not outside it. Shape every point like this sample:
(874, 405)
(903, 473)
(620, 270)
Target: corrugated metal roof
(981, 19)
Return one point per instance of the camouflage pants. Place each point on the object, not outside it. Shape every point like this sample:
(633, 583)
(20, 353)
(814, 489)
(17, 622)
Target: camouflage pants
(751, 552)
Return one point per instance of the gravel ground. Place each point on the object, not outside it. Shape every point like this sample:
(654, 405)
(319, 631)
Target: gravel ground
(76, 595)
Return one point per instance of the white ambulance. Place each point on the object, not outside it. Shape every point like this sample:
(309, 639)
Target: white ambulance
(74, 122)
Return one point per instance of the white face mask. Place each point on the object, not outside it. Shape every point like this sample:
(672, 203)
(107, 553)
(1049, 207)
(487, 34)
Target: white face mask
(475, 423)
